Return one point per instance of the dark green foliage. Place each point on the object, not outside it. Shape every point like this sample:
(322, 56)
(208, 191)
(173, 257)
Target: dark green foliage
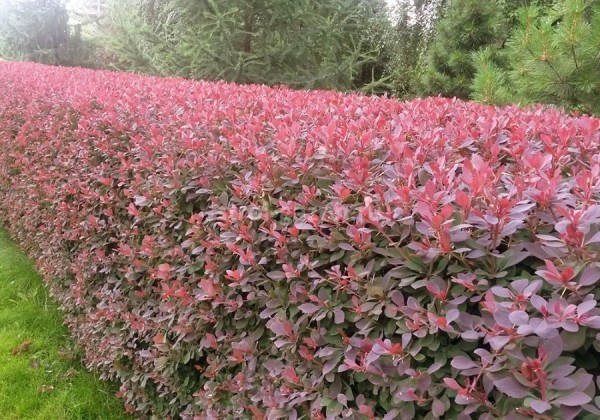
(34, 30)
(38, 30)
(305, 44)
(553, 57)
(412, 33)
(467, 26)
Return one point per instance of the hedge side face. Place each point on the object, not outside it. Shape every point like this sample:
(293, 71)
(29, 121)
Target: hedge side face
(235, 251)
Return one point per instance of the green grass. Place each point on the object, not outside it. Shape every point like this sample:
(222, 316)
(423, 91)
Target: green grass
(47, 381)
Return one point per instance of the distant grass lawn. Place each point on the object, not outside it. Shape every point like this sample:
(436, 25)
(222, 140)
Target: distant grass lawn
(40, 375)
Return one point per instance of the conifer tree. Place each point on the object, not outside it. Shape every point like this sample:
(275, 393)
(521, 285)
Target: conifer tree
(34, 30)
(553, 57)
(414, 22)
(466, 26)
(304, 44)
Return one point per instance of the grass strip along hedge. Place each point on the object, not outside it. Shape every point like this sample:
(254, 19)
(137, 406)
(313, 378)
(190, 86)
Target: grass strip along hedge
(232, 251)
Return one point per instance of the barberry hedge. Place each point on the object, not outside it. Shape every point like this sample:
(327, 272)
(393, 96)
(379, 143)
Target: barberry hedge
(230, 251)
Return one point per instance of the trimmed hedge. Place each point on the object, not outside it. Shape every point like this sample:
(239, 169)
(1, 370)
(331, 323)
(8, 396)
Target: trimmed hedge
(232, 251)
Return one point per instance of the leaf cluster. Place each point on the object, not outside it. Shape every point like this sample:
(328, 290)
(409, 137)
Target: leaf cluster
(466, 26)
(229, 251)
(553, 57)
(304, 44)
(38, 30)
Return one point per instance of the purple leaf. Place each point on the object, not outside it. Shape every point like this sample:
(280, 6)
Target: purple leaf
(552, 348)
(397, 298)
(309, 308)
(276, 275)
(304, 226)
(278, 326)
(594, 239)
(511, 387)
(498, 342)
(435, 367)
(338, 316)
(522, 207)
(589, 276)
(519, 318)
(562, 384)
(437, 408)
(562, 371)
(583, 380)
(273, 365)
(516, 258)
(406, 395)
(525, 329)
(533, 287)
(543, 329)
(519, 285)
(470, 335)
(462, 362)
(267, 313)
(452, 384)
(569, 325)
(586, 306)
(574, 399)
(452, 315)
(325, 351)
(548, 238)
(406, 337)
(485, 355)
(537, 251)
(500, 291)
(330, 365)
(538, 302)
(476, 254)
(540, 406)
(463, 400)
(592, 322)
(392, 415)
(501, 315)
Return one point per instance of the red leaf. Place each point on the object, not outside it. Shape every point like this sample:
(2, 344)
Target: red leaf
(367, 410)
(289, 374)
(452, 384)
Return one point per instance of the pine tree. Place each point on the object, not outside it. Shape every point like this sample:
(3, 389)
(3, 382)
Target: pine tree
(554, 57)
(304, 44)
(39, 30)
(466, 26)
(34, 30)
(413, 31)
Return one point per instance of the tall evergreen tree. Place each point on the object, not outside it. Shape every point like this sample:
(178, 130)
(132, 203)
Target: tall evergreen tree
(34, 30)
(553, 57)
(466, 26)
(414, 22)
(304, 43)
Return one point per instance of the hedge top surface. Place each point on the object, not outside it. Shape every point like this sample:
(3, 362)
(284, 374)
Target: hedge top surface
(228, 250)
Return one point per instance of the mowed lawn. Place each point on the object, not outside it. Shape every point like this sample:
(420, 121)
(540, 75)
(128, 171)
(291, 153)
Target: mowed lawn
(41, 376)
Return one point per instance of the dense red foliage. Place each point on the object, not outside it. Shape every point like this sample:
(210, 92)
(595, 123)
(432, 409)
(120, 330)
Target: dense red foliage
(231, 251)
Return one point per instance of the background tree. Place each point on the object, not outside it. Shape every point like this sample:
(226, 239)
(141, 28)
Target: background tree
(466, 26)
(39, 30)
(305, 44)
(34, 30)
(414, 23)
(553, 57)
